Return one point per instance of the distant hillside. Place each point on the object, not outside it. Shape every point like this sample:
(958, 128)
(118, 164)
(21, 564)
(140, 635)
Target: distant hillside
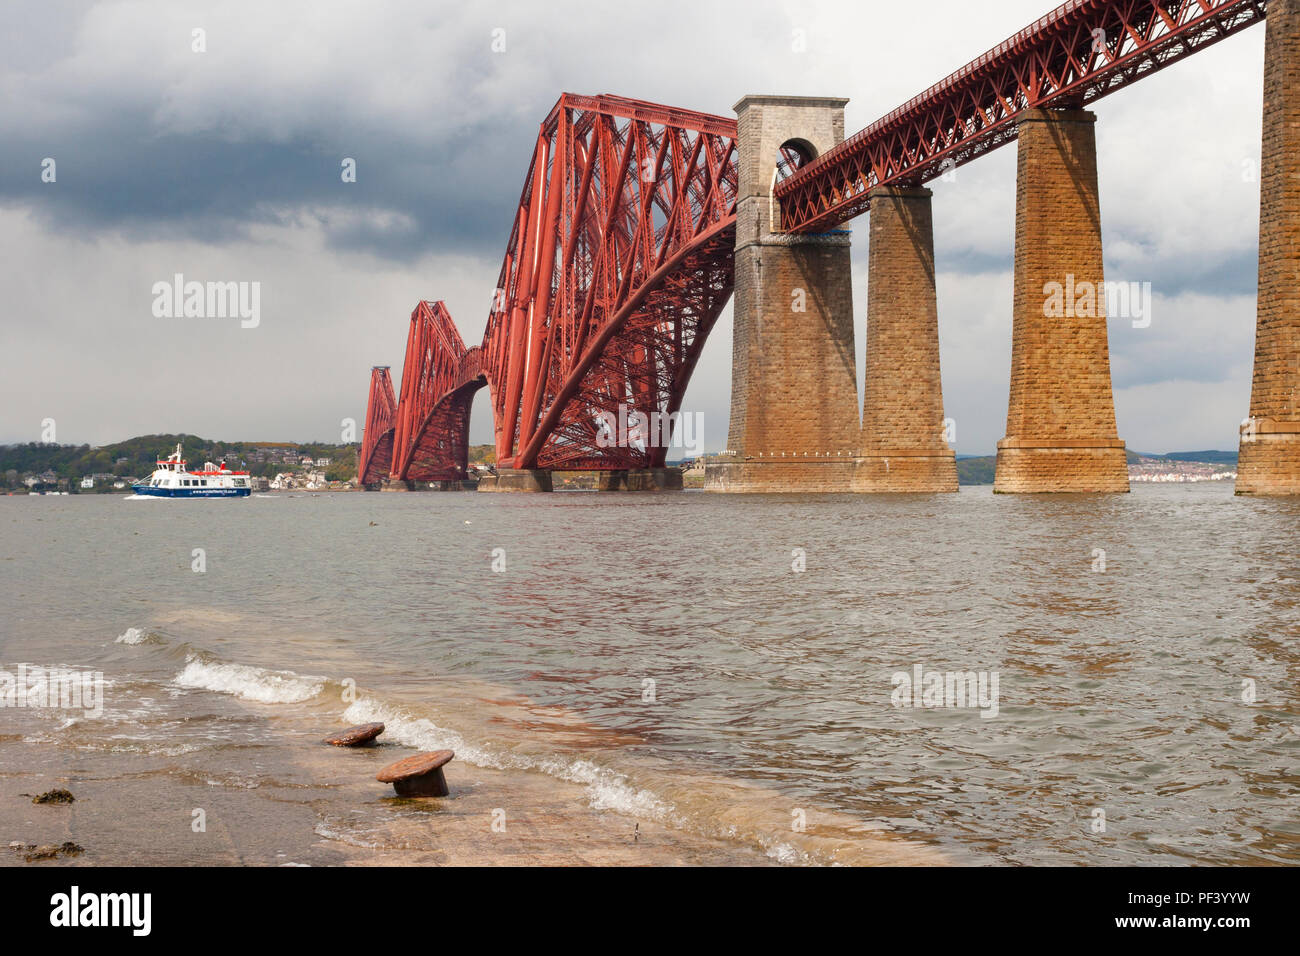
(1210, 457)
(976, 471)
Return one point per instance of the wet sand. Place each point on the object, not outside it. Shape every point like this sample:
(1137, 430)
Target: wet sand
(287, 799)
(134, 815)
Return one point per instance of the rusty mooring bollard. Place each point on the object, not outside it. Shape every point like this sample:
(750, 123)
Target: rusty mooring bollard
(419, 775)
(355, 736)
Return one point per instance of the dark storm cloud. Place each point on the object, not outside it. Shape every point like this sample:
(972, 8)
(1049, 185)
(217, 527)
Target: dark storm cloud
(410, 198)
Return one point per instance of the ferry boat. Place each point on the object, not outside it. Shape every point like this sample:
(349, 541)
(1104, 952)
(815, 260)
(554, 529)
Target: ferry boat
(171, 480)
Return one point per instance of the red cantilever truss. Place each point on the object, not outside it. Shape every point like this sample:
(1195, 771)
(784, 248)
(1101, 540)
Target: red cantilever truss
(619, 261)
(377, 439)
(439, 379)
(1080, 52)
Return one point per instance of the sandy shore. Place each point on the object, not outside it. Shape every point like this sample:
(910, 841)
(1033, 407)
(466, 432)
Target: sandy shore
(290, 800)
(205, 762)
(328, 810)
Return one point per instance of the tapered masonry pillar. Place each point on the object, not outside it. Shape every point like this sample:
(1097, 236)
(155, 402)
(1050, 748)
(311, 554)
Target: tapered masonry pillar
(1061, 433)
(1269, 460)
(517, 480)
(794, 416)
(904, 445)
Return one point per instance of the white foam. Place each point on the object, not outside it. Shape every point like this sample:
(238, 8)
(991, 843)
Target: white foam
(609, 790)
(352, 838)
(422, 733)
(785, 853)
(250, 683)
(132, 635)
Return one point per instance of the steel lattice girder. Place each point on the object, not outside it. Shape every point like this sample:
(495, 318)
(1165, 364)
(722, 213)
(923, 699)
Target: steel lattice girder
(377, 438)
(1080, 52)
(618, 264)
(439, 378)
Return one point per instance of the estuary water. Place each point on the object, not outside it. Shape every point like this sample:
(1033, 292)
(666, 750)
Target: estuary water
(662, 678)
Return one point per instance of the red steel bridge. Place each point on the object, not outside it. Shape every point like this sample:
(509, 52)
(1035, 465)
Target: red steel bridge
(621, 254)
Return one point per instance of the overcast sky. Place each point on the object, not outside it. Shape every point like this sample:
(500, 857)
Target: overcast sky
(225, 165)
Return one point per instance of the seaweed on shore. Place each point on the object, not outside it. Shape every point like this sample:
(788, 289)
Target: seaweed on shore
(54, 796)
(33, 853)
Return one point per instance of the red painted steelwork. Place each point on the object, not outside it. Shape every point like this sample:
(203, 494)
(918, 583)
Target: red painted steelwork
(439, 379)
(619, 261)
(376, 458)
(1081, 51)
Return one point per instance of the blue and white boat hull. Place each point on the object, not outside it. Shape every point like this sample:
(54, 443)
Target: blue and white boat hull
(154, 492)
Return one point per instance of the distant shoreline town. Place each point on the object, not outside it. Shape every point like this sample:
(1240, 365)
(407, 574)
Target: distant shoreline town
(37, 467)
(1175, 467)
(1165, 470)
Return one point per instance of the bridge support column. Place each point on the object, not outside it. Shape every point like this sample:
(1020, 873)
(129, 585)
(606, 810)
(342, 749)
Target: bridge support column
(517, 479)
(1061, 433)
(1269, 460)
(640, 479)
(903, 446)
(437, 484)
(794, 416)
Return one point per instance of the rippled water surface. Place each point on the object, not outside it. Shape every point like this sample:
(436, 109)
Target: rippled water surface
(663, 651)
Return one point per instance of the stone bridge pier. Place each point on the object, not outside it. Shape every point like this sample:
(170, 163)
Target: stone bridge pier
(794, 415)
(1269, 459)
(1061, 432)
(904, 438)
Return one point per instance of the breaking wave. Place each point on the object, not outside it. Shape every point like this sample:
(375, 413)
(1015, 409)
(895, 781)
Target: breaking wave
(249, 683)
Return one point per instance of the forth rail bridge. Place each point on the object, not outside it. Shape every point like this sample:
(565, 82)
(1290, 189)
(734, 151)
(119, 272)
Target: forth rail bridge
(637, 223)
